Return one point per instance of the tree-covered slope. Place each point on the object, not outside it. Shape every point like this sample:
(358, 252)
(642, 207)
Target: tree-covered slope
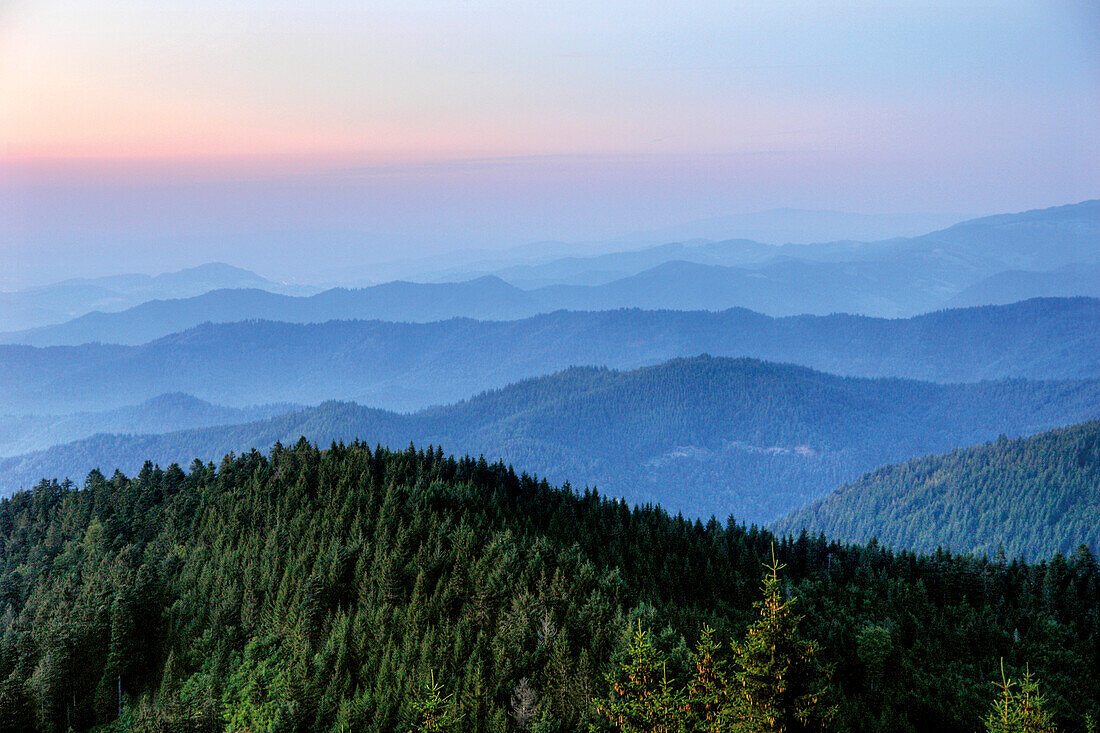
(702, 435)
(1033, 496)
(406, 366)
(325, 590)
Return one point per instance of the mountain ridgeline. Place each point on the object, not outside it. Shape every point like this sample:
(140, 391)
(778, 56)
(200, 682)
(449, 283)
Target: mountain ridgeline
(369, 590)
(364, 586)
(1030, 496)
(406, 366)
(1012, 286)
(893, 278)
(69, 299)
(703, 436)
(161, 414)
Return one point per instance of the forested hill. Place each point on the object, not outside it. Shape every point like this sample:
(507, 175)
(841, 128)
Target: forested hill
(363, 590)
(1033, 496)
(404, 366)
(704, 435)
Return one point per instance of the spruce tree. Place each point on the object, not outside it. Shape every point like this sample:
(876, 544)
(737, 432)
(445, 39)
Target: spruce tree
(781, 685)
(433, 712)
(1018, 707)
(642, 700)
(708, 695)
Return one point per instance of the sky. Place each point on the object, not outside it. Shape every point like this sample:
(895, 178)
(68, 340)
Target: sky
(302, 139)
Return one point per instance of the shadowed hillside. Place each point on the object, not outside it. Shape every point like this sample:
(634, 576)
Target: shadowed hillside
(703, 435)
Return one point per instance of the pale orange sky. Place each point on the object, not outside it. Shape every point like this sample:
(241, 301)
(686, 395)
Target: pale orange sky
(432, 80)
(146, 134)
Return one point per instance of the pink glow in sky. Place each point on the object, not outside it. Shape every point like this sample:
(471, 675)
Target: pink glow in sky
(426, 126)
(430, 80)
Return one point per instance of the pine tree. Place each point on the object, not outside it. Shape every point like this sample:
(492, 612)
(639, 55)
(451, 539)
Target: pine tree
(1018, 707)
(781, 685)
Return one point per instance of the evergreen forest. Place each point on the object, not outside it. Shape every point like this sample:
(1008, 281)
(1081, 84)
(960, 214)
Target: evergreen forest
(705, 435)
(1027, 497)
(365, 589)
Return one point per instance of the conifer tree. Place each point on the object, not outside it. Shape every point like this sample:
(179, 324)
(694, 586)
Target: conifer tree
(642, 700)
(433, 712)
(781, 685)
(524, 704)
(708, 694)
(1018, 707)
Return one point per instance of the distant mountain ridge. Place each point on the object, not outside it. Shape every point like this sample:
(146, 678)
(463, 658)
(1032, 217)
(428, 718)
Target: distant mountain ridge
(1040, 239)
(702, 435)
(485, 298)
(1032, 496)
(406, 366)
(1016, 285)
(609, 267)
(894, 278)
(161, 414)
(68, 299)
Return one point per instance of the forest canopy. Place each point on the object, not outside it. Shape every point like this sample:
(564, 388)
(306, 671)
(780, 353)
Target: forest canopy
(356, 588)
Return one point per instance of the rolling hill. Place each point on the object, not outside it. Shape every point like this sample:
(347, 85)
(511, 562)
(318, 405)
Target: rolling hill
(702, 435)
(349, 589)
(1015, 285)
(406, 366)
(1032, 496)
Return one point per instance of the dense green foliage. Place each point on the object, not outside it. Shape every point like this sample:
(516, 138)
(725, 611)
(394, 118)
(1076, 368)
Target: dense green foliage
(1020, 708)
(1030, 496)
(775, 685)
(407, 366)
(357, 589)
(702, 436)
(781, 686)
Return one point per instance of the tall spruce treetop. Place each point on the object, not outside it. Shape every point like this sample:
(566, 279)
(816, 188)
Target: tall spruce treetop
(642, 700)
(1018, 707)
(709, 701)
(433, 712)
(781, 684)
